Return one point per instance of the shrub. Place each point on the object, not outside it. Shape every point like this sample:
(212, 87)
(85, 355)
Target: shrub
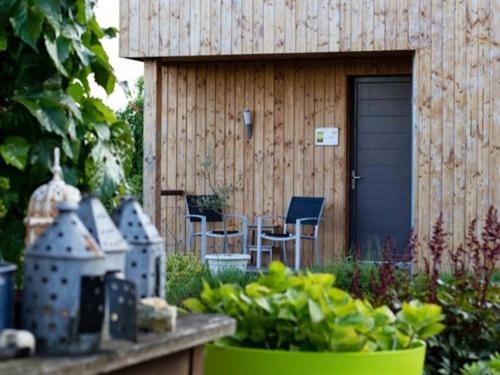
(489, 367)
(305, 312)
(185, 275)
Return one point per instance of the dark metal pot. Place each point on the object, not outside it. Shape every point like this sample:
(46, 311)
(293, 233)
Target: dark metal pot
(7, 276)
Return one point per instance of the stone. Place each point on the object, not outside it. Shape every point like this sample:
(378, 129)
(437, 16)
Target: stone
(156, 315)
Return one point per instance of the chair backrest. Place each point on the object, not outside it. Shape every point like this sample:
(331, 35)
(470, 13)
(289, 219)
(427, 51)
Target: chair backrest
(194, 208)
(301, 207)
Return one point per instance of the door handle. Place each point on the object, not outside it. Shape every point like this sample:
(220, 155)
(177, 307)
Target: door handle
(354, 177)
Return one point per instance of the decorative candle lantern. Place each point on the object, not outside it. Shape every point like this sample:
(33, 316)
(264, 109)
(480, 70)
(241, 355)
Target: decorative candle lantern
(145, 264)
(120, 317)
(42, 208)
(97, 221)
(63, 297)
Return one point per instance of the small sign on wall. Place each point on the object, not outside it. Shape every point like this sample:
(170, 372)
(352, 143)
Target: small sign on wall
(326, 137)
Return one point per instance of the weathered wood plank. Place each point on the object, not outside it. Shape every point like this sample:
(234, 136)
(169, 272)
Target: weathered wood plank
(379, 24)
(436, 107)
(239, 145)
(259, 133)
(278, 134)
(345, 25)
(300, 26)
(192, 330)
(215, 27)
(182, 157)
(258, 27)
(133, 34)
(205, 26)
(195, 28)
(247, 27)
(268, 150)
(185, 28)
(171, 157)
(368, 25)
(154, 28)
(312, 26)
(448, 115)
(402, 25)
(124, 29)
(279, 26)
(152, 110)
(298, 126)
(236, 27)
(268, 40)
(174, 27)
(249, 149)
(164, 36)
(289, 26)
(226, 25)
(356, 26)
(144, 28)
(323, 25)
(319, 152)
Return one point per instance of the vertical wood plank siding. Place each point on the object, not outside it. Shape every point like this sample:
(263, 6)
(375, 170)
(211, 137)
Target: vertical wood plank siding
(288, 99)
(456, 77)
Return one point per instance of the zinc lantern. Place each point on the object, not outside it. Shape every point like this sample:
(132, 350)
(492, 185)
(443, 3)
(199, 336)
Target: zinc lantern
(145, 263)
(42, 207)
(63, 297)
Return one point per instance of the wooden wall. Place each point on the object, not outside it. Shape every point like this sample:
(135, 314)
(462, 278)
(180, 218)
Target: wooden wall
(456, 74)
(202, 107)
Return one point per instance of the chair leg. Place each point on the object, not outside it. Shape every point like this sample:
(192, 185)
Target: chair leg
(316, 251)
(203, 241)
(190, 235)
(297, 252)
(283, 252)
(258, 262)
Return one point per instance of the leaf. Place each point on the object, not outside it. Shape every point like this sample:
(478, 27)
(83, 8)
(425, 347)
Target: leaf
(52, 49)
(194, 305)
(431, 330)
(3, 39)
(4, 183)
(76, 91)
(15, 151)
(315, 311)
(27, 23)
(52, 11)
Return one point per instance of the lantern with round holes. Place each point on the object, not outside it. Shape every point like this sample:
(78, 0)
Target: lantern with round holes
(121, 299)
(145, 264)
(42, 208)
(63, 297)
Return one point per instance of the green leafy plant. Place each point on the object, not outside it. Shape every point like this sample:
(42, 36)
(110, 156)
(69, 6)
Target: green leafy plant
(304, 311)
(218, 200)
(488, 367)
(49, 50)
(133, 114)
(185, 275)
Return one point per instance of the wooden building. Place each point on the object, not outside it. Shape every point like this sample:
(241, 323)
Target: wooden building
(412, 86)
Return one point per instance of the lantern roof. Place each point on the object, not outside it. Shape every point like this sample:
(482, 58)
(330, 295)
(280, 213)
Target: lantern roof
(134, 224)
(66, 238)
(42, 207)
(97, 221)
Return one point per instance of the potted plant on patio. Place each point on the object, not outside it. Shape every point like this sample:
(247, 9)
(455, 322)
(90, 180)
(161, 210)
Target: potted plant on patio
(218, 201)
(301, 324)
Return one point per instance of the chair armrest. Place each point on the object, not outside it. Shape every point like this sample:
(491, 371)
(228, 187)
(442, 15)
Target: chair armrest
(201, 217)
(299, 221)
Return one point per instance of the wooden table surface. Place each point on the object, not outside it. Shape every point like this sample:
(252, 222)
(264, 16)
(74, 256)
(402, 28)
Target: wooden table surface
(193, 330)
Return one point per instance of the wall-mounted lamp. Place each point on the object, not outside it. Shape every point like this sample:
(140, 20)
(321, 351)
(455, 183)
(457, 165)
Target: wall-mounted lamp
(247, 122)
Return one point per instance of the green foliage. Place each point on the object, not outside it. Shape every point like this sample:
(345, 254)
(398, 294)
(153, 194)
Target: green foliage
(488, 367)
(304, 311)
(48, 51)
(185, 275)
(473, 331)
(133, 114)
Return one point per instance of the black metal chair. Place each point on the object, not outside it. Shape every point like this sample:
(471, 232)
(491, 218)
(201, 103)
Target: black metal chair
(301, 211)
(198, 214)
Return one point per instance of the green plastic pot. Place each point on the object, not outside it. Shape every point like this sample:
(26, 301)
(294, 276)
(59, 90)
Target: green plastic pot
(231, 360)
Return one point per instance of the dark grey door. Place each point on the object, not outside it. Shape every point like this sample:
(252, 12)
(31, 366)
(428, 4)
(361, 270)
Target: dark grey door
(381, 150)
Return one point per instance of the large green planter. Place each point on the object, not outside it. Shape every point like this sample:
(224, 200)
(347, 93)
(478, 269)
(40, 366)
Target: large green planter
(230, 360)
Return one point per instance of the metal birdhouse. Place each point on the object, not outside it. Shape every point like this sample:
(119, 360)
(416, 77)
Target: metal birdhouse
(119, 319)
(145, 264)
(42, 208)
(63, 297)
